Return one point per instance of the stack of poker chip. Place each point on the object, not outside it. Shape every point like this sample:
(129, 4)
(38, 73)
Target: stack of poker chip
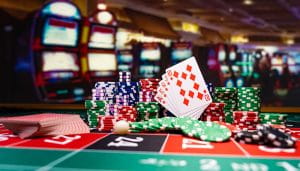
(122, 100)
(214, 112)
(148, 89)
(127, 113)
(147, 110)
(130, 89)
(268, 136)
(95, 108)
(248, 99)
(293, 121)
(124, 76)
(245, 120)
(106, 123)
(272, 118)
(98, 94)
(229, 97)
(109, 90)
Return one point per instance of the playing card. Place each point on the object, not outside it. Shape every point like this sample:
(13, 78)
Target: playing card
(191, 113)
(188, 87)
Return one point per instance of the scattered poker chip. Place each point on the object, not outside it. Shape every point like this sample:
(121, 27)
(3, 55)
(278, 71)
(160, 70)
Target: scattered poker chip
(248, 98)
(276, 137)
(214, 132)
(248, 137)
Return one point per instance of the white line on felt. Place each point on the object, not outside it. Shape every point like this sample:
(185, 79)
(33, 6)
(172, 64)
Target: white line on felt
(17, 143)
(65, 157)
(164, 144)
(241, 148)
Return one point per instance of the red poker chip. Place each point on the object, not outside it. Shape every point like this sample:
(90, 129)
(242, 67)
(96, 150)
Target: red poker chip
(214, 104)
(246, 122)
(244, 113)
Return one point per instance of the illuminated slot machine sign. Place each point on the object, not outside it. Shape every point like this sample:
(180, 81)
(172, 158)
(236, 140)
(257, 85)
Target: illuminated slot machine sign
(56, 52)
(125, 60)
(150, 57)
(100, 45)
(180, 51)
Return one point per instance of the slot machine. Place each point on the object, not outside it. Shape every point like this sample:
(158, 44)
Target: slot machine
(150, 59)
(180, 51)
(125, 60)
(98, 47)
(55, 58)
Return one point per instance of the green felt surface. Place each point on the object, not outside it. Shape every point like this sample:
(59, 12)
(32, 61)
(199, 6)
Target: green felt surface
(33, 159)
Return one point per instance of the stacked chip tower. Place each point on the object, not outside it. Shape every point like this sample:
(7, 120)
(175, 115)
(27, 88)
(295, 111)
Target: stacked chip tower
(273, 118)
(95, 108)
(214, 112)
(229, 97)
(248, 99)
(245, 120)
(147, 110)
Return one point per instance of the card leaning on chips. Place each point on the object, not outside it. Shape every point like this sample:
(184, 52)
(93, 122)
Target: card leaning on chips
(183, 90)
(46, 124)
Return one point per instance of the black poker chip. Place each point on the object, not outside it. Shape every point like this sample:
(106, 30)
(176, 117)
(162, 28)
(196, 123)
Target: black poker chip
(275, 137)
(248, 137)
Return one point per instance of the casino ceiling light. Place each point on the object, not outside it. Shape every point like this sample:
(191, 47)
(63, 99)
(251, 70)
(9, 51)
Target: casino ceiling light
(101, 5)
(247, 2)
(190, 27)
(239, 39)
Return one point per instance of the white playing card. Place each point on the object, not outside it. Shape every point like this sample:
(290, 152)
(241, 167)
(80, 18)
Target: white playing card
(189, 90)
(189, 113)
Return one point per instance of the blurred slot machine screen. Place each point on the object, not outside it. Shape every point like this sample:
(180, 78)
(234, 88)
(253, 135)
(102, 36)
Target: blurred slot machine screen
(101, 37)
(59, 64)
(181, 51)
(150, 56)
(125, 59)
(102, 64)
(60, 32)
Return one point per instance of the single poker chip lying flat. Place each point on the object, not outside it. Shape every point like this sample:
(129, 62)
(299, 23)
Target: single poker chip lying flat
(215, 132)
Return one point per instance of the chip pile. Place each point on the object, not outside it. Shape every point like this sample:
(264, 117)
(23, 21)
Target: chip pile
(293, 121)
(245, 120)
(214, 112)
(124, 76)
(248, 99)
(95, 108)
(229, 97)
(267, 135)
(148, 89)
(106, 123)
(272, 118)
(206, 131)
(127, 113)
(147, 110)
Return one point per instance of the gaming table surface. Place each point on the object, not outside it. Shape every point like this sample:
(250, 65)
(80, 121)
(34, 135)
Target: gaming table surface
(147, 151)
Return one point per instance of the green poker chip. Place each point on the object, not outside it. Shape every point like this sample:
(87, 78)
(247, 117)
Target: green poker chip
(182, 122)
(215, 132)
(154, 124)
(167, 123)
(193, 129)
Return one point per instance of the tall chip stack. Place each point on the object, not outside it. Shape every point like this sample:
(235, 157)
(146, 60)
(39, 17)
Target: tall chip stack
(214, 112)
(148, 89)
(248, 99)
(95, 108)
(273, 118)
(127, 113)
(147, 110)
(245, 120)
(109, 89)
(130, 89)
(106, 123)
(229, 97)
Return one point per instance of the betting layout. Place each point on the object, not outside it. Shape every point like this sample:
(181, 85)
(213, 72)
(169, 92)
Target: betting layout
(151, 150)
